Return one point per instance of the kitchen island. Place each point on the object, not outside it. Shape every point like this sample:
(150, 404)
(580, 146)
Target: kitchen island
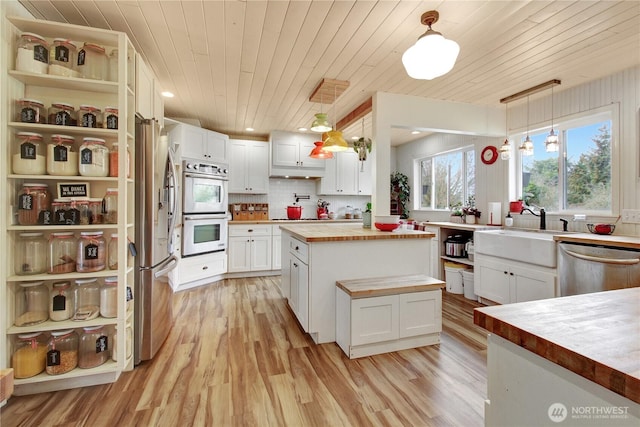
(576, 357)
(315, 256)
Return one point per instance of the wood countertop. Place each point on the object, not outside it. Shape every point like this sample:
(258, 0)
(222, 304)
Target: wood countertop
(390, 285)
(595, 335)
(598, 239)
(297, 221)
(464, 226)
(318, 231)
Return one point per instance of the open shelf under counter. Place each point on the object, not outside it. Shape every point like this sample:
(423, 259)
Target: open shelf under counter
(51, 325)
(66, 130)
(464, 261)
(63, 82)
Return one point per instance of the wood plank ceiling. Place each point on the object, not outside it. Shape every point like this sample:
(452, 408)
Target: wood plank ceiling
(239, 64)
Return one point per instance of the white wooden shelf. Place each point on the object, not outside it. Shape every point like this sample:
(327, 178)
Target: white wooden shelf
(50, 325)
(464, 261)
(106, 367)
(65, 130)
(68, 83)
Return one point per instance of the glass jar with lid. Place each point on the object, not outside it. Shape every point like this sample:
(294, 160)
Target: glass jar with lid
(31, 111)
(29, 157)
(59, 209)
(112, 256)
(62, 253)
(61, 301)
(87, 299)
(109, 297)
(30, 355)
(62, 352)
(77, 212)
(94, 347)
(33, 54)
(110, 118)
(128, 343)
(113, 65)
(31, 303)
(62, 158)
(110, 206)
(94, 157)
(95, 211)
(34, 204)
(92, 252)
(89, 116)
(31, 254)
(113, 160)
(93, 62)
(62, 114)
(62, 60)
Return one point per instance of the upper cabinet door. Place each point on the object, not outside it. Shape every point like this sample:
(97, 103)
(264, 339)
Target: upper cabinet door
(290, 155)
(193, 142)
(144, 89)
(286, 151)
(217, 147)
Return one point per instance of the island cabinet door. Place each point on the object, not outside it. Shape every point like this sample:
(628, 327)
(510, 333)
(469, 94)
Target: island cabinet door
(420, 313)
(374, 319)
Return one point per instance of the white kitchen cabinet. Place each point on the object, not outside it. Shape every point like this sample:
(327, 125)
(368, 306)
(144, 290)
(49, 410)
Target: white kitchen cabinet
(344, 175)
(197, 270)
(276, 248)
(299, 282)
(290, 155)
(144, 89)
(200, 144)
(248, 167)
(48, 89)
(505, 281)
(434, 258)
(249, 247)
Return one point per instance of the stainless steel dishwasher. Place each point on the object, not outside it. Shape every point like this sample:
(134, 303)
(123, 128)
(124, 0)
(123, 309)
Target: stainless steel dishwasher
(584, 268)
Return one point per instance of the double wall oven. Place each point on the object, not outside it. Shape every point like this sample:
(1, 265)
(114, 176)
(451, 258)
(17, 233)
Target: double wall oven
(204, 207)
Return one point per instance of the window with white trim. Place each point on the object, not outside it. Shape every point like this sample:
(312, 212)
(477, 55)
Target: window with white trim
(446, 179)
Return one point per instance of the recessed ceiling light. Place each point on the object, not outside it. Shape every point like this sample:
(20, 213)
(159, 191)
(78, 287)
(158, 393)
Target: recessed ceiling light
(249, 129)
(167, 94)
(415, 132)
(302, 129)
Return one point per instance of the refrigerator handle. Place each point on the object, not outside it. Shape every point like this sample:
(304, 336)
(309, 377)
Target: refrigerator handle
(173, 188)
(169, 265)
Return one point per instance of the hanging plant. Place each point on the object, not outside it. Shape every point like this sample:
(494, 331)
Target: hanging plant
(401, 191)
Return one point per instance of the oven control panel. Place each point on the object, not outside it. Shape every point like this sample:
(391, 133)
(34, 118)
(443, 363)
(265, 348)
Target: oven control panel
(215, 170)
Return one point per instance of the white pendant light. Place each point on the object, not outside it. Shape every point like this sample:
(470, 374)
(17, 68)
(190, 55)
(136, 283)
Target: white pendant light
(432, 55)
(551, 143)
(526, 148)
(505, 149)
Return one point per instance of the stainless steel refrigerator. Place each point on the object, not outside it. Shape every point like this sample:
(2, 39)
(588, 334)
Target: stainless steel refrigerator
(155, 213)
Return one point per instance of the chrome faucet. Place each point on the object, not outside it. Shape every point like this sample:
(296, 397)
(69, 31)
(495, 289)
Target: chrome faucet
(542, 215)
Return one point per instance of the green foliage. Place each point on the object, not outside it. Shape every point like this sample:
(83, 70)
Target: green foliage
(401, 190)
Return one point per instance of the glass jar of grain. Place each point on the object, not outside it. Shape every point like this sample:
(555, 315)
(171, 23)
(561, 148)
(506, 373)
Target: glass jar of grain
(31, 254)
(62, 60)
(87, 299)
(62, 352)
(34, 204)
(61, 301)
(62, 158)
(30, 355)
(31, 303)
(94, 347)
(33, 54)
(94, 157)
(92, 252)
(109, 297)
(62, 253)
(29, 157)
(31, 111)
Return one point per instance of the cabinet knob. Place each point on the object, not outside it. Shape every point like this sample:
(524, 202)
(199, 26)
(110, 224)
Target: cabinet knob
(511, 274)
(297, 248)
(295, 265)
(505, 272)
(205, 267)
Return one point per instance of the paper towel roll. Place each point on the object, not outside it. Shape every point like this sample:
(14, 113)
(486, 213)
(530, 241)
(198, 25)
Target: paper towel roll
(494, 213)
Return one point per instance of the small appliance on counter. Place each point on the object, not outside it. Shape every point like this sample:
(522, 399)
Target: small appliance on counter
(249, 211)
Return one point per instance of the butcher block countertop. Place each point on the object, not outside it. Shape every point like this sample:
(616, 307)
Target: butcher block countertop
(390, 285)
(598, 239)
(596, 336)
(297, 221)
(322, 232)
(463, 226)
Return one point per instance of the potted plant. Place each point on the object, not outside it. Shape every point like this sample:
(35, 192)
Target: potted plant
(366, 217)
(471, 213)
(457, 215)
(400, 194)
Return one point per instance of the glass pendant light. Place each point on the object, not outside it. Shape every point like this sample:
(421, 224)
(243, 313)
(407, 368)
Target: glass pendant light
(526, 148)
(319, 152)
(320, 124)
(551, 143)
(334, 141)
(505, 149)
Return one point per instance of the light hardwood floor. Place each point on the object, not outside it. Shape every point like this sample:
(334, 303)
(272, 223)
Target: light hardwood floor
(237, 357)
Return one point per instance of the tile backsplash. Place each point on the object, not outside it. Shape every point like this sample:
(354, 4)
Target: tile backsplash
(282, 191)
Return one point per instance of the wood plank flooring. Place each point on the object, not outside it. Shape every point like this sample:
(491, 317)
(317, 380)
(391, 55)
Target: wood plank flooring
(237, 357)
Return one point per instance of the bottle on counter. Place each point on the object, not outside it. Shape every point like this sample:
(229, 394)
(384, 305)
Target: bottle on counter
(508, 221)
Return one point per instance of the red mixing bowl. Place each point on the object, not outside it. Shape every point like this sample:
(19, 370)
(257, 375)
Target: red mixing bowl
(386, 227)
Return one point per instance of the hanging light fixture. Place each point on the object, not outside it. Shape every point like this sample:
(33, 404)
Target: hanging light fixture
(320, 124)
(334, 141)
(361, 146)
(551, 143)
(319, 152)
(505, 149)
(432, 55)
(526, 148)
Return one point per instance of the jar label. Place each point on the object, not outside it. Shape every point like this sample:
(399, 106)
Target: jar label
(60, 154)
(62, 118)
(45, 217)
(91, 251)
(41, 53)
(112, 121)
(72, 216)
(60, 216)
(28, 115)
(129, 294)
(59, 303)
(28, 151)
(86, 156)
(53, 358)
(102, 344)
(62, 53)
(89, 120)
(81, 56)
(25, 202)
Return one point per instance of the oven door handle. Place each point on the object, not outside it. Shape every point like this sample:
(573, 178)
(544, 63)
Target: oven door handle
(199, 217)
(204, 176)
(630, 261)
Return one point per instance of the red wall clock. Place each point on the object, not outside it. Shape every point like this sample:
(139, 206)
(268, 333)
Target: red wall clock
(489, 155)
